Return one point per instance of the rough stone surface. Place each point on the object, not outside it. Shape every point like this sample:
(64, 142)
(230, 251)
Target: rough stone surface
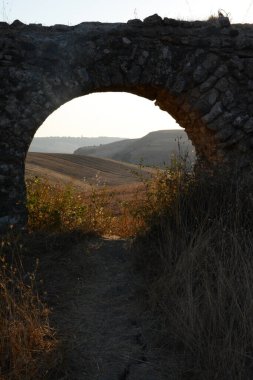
(200, 72)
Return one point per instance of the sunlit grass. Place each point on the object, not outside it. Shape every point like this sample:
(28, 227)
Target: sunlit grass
(101, 210)
(124, 210)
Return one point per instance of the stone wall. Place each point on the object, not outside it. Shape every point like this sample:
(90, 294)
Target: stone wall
(201, 73)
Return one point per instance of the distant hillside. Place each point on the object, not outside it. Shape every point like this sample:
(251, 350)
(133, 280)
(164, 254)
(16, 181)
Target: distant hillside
(156, 148)
(80, 170)
(67, 144)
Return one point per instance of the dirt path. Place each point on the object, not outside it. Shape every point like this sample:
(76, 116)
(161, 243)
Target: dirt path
(98, 313)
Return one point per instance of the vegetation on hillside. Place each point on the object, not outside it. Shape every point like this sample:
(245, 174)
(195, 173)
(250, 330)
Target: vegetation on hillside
(155, 148)
(100, 211)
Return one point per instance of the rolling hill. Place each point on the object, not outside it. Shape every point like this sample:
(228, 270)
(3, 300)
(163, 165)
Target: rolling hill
(156, 148)
(67, 144)
(81, 171)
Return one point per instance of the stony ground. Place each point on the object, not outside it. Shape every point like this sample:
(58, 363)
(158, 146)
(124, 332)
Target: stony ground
(100, 315)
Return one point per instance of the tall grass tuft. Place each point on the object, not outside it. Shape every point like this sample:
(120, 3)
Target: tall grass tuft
(27, 342)
(197, 259)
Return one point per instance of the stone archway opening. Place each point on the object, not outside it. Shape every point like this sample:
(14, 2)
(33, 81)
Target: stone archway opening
(160, 98)
(198, 72)
(108, 113)
(177, 108)
(117, 114)
(151, 152)
(114, 115)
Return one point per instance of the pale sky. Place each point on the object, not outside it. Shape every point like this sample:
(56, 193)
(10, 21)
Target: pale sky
(122, 115)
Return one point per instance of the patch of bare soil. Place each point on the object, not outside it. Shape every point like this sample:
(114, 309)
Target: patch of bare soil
(81, 170)
(99, 313)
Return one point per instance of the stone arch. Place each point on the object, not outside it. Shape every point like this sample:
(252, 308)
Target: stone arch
(199, 72)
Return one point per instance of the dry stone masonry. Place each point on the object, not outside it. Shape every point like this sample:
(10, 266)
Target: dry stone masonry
(200, 72)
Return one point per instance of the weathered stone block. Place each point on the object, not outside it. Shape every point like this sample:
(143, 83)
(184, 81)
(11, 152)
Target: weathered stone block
(227, 98)
(200, 74)
(223, 134)
(153, 20)
(135, 22)
(211, 62)
(240, 120)
(208, 84)
(248, 126)
(221, 71)
(214, 113)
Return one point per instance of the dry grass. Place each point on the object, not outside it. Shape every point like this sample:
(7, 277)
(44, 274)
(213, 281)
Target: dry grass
(194, 251)
(101, 210)
(63, 208)
(197, 261)
(27, 342)
(122, 210)
(28, 347)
